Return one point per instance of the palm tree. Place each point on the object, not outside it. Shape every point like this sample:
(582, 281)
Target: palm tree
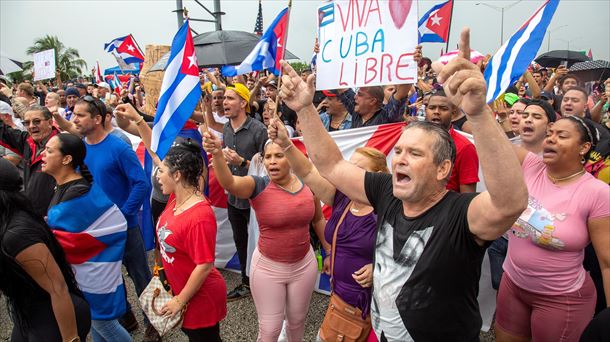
(67, 60)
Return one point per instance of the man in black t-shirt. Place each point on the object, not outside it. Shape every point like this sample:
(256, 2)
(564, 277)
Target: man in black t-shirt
(430, 242)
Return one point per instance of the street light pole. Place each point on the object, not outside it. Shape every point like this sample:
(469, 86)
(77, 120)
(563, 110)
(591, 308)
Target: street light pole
(548, 46)
(501, 10)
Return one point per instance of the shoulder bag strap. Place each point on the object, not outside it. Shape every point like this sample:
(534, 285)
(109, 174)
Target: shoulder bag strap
(333, 247)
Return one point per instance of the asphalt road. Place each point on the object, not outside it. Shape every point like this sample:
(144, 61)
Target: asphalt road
(239, 325)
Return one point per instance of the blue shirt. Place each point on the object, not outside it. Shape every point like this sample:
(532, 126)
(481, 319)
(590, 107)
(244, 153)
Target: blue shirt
(115, 167)
(326, 118)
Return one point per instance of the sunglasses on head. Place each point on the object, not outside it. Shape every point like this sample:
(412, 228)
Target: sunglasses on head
(96, 103)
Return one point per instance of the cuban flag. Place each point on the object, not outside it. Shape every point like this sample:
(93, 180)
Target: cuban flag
(98, 73)
(267, 53)
(92, 231)
(515, 56)
(116, 84)
(434, 25)
(126, 48)
(180, 92)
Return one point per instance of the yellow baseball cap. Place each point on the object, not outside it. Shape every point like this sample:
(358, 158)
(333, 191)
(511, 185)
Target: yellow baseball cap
(243, 92)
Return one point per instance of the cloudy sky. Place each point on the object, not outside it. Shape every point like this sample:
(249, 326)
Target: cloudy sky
(87, 25)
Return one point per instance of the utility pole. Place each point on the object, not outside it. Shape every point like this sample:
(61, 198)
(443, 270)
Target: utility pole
(218, 15)
(179, 13)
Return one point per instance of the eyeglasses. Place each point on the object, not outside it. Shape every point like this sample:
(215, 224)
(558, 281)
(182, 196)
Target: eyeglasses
(36, 122)
(96, 103)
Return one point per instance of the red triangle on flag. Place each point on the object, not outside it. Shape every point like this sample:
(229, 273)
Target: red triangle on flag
(439, 21)
(130, 47)
(189, 59)
(79, 247)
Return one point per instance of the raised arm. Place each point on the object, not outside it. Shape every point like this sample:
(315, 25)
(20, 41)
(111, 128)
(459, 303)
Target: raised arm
(128, 117)
(241, 187)
(506, 195)
(319, 225)
(38, 262)
(64, 125)
(301, 166)
(532, 84)
(322, 150)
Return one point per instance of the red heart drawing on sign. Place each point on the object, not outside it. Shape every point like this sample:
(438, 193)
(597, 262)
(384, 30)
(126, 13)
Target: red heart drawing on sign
(399, 10)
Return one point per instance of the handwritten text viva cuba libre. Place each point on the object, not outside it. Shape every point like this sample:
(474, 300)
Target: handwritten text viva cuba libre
(354, 43)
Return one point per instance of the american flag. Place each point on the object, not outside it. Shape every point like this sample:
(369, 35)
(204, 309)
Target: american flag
(258, 27)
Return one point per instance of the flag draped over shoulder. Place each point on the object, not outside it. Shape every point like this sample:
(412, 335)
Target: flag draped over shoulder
(434, 25)
(180, 92)
(513, 58)
(92, 231)
(268, 52)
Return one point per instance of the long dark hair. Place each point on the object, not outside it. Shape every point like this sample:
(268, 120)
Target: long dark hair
(71, 145)
(13, 204)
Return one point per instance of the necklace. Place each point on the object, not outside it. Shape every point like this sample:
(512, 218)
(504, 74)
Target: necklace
(181, 204)
(555, 180)
(289, 186)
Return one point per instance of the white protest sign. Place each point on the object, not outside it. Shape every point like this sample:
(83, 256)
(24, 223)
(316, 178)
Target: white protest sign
(366, 43)
(44, 65)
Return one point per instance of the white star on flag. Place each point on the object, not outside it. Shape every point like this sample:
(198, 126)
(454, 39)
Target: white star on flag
(130, 48)
(192, 60)
(436, 20)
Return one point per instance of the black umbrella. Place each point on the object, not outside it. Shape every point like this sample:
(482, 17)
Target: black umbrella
(218, 48)
(591, 70)
(553, 59)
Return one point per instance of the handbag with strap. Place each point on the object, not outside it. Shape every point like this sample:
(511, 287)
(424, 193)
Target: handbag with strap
(342, 322)
(155, 296)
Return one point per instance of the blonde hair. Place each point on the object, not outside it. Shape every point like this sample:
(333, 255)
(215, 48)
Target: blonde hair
(377, 158)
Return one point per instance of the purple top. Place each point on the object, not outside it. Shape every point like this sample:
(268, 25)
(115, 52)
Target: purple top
(355, 248)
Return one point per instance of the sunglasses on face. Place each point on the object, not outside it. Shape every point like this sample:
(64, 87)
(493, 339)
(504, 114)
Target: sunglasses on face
(36, 122)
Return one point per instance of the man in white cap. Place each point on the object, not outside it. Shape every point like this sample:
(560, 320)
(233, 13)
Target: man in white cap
(103, 88)
(8, 117)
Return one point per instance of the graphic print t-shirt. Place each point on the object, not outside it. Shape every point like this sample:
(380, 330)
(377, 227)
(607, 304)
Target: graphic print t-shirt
(547, 242)
(426, 269)
(185, 241)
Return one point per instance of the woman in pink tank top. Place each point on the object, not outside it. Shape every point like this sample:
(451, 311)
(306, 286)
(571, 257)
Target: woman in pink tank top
(545, 293)
(283, 269)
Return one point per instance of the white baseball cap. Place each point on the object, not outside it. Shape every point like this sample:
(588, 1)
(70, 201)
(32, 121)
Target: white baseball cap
(104, 85)
(5, 108)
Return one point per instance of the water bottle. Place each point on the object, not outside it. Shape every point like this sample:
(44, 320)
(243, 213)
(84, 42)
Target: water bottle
(421, 113)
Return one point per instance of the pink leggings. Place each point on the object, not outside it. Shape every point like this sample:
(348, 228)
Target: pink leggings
(281, 290)
(560, 318)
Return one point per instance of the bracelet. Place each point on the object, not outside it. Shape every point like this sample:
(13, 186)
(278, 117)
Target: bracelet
(75, 339)
(139, 121)
(179, 301)
(285, 149)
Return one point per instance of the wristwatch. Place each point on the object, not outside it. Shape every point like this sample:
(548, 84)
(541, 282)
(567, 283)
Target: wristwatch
(243, 162)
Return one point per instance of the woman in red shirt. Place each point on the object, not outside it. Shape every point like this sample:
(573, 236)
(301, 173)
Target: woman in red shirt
(283, 270)
(186, 232)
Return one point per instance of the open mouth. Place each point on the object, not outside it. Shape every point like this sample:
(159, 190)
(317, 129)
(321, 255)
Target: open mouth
(274, 171)
(435, 120)
(548, 152)
(402, 178)
(527, 130)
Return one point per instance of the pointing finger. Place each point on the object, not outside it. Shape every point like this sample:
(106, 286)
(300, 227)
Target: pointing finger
(465, 44)
(288, 70)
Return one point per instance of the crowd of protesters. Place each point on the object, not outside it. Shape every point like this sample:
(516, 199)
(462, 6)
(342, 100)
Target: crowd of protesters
(404, 245)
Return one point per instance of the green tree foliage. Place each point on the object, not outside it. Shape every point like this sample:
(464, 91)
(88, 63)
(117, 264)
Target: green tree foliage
(67, 59)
